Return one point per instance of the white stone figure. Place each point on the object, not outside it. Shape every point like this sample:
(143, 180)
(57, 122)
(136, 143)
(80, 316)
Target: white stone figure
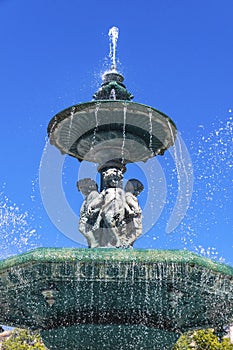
(133, 215)
(112, 202)
(113, 217)
(89, 189)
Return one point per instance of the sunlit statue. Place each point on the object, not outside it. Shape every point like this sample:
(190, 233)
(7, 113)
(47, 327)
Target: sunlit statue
(133, 216)
(89, 189)
(111, 218)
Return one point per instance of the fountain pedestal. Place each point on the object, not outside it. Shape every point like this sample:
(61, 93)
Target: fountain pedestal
(114, 298)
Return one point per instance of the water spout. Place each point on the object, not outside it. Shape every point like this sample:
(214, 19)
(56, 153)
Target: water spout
(113, 36)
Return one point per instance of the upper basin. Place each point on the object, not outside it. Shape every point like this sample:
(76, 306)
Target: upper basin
(101, 131)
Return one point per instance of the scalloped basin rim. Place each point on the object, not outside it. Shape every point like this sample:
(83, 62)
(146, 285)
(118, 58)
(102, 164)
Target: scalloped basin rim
(81, 106)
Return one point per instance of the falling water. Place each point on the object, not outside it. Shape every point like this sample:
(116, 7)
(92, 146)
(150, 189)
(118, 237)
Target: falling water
(213, 168)
(112, 95)
(146, 288)
(150, 132)
(212, 153)
(92, 289)
(215, 150)
(113, 36)
(16, 234)
(69, 144)
(177, 162)
(181, 159)
(184, 179)
(96, 125)
(124, 136)
(132, 283)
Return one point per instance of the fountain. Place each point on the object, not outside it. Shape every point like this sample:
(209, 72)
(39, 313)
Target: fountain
(103, 297)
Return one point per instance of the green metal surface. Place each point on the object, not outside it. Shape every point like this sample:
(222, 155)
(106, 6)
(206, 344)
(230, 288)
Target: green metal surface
(148, 132)
(110, 337)
(168, 291)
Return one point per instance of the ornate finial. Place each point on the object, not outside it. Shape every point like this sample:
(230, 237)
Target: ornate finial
(112, 88)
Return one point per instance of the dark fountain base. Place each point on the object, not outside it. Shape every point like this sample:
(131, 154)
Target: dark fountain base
(114, 298)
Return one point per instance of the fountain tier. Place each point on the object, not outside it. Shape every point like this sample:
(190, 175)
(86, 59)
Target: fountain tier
(101, 131)
(144, 299)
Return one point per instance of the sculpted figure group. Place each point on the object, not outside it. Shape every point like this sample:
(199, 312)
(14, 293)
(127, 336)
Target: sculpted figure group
(112, 217)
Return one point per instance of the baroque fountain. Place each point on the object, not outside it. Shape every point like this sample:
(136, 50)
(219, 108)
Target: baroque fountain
(103, 297)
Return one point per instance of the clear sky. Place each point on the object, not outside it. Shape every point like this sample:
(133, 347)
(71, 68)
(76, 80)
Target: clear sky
(175, 55)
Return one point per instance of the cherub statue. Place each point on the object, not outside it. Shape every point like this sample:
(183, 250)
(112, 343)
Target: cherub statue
(133, 215)
(89, 189)
(112, 203)
(111, 218)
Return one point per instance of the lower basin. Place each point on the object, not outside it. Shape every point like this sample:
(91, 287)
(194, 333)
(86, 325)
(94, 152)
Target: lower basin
(114, 298)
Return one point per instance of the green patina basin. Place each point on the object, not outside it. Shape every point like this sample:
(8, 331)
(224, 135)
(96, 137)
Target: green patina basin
(114, 298)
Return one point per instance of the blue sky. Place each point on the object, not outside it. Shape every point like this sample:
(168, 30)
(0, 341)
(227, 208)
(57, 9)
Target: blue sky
(175, 55)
